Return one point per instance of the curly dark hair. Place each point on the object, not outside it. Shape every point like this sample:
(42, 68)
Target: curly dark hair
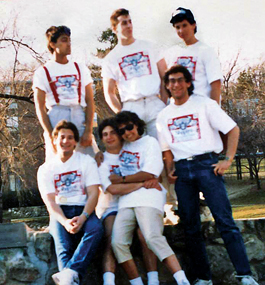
(126, 117)
(184, 71)
(108, 122)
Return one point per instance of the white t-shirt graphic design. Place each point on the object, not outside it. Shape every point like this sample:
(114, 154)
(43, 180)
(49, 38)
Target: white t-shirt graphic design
(189, 62)
(184, 128)
(135, 65)
(129, 162)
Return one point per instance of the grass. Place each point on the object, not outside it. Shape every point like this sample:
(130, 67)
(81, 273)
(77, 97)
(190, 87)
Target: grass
(250, 205)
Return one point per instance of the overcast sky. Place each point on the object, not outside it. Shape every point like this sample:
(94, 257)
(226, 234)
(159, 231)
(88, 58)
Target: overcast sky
(226, 25)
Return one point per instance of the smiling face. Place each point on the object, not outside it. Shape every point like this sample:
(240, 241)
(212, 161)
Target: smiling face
(62, 46)
(178, 87)
(124, 27)
(111, 140)
(130, 132)
(185, 31)
(65, 143)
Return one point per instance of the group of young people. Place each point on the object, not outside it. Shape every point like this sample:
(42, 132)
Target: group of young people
(168, 115)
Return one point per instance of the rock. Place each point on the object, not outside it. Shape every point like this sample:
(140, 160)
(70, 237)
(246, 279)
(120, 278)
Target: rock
(255, 248)
(3, 273)
(23, 270)
(42, 244)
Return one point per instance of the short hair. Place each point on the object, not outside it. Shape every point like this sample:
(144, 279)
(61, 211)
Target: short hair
(53, 33)
(108, 122)
(126, 117)
(65, 125)
(182, 14)
(182, 69)
(116, 14)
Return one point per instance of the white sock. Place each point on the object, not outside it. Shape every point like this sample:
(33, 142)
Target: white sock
(108, 278)
(180, 276)
(137, 281)
(152, 277)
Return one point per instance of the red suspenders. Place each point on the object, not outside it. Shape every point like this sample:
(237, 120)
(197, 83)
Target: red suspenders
(53, 87)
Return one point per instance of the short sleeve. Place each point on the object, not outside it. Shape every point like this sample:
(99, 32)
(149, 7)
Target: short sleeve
(107, 69)
(212, 65)
(45, 180)
(91, 172)
(153, 162)
(160, 134)
(104, 176)
(40, 80)
(86, 75)
(218, 118)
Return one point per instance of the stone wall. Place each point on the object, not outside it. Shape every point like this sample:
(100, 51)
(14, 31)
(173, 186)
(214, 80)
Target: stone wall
(36, 263)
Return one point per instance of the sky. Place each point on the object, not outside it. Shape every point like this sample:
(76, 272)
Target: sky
(229, 26)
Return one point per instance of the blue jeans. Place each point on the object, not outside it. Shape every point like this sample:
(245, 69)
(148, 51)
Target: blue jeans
(196, 176)
(75, 251)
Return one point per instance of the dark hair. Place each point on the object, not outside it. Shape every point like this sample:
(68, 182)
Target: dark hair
(108, 122)
(126, 117)
(182, 14)
(53, 33)
(65, 125)
(184, 71)
(116, 14)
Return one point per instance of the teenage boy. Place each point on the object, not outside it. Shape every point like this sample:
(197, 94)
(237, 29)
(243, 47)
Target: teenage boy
(68, 184)
(107, 207)
(132, 67)
(64, 88)
(139, 160)
(201, 60)
(188, 132)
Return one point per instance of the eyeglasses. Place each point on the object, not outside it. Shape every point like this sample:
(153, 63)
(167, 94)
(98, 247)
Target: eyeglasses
(128, 127)
(174, 80)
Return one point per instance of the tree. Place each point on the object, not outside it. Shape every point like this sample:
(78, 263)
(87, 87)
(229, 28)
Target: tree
(244, 100)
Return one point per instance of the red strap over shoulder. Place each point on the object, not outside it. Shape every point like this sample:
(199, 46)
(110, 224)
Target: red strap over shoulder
(52, 85)
(79, 82)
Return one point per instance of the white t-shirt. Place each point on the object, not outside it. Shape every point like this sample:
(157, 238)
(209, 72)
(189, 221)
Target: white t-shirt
(66, 79)
(134, 68)
(68, 180)
(107, 202)
(145, 155)
(202, 62)
(193, 127)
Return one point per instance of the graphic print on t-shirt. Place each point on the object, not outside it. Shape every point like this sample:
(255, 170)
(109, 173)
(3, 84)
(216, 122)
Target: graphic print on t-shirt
(135, 65)
(129, 162)
(185, 128)
(115, 169)
(68, 184)
(189, 62)
(66, 86)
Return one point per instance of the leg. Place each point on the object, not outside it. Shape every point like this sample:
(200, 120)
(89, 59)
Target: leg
(122, 236)
(63, 242)
(189, 212)
(91, 233)
(109, 261)
(212, 187)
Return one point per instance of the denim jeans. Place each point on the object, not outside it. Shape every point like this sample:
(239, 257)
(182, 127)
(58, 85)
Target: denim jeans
(75, 251)
(196, 176)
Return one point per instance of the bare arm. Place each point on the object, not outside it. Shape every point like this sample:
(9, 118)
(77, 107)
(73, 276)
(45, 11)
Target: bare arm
(169, 166)
(86, 139)
(140, 176)
(41, 111)
(111, 98)
(92, 200)
(215, 93)
(232, 142)
(162, 67)
(122, 189)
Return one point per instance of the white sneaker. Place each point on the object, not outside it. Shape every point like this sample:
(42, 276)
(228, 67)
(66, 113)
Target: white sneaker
(66, 277)
(248, 280)
(203, 282)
